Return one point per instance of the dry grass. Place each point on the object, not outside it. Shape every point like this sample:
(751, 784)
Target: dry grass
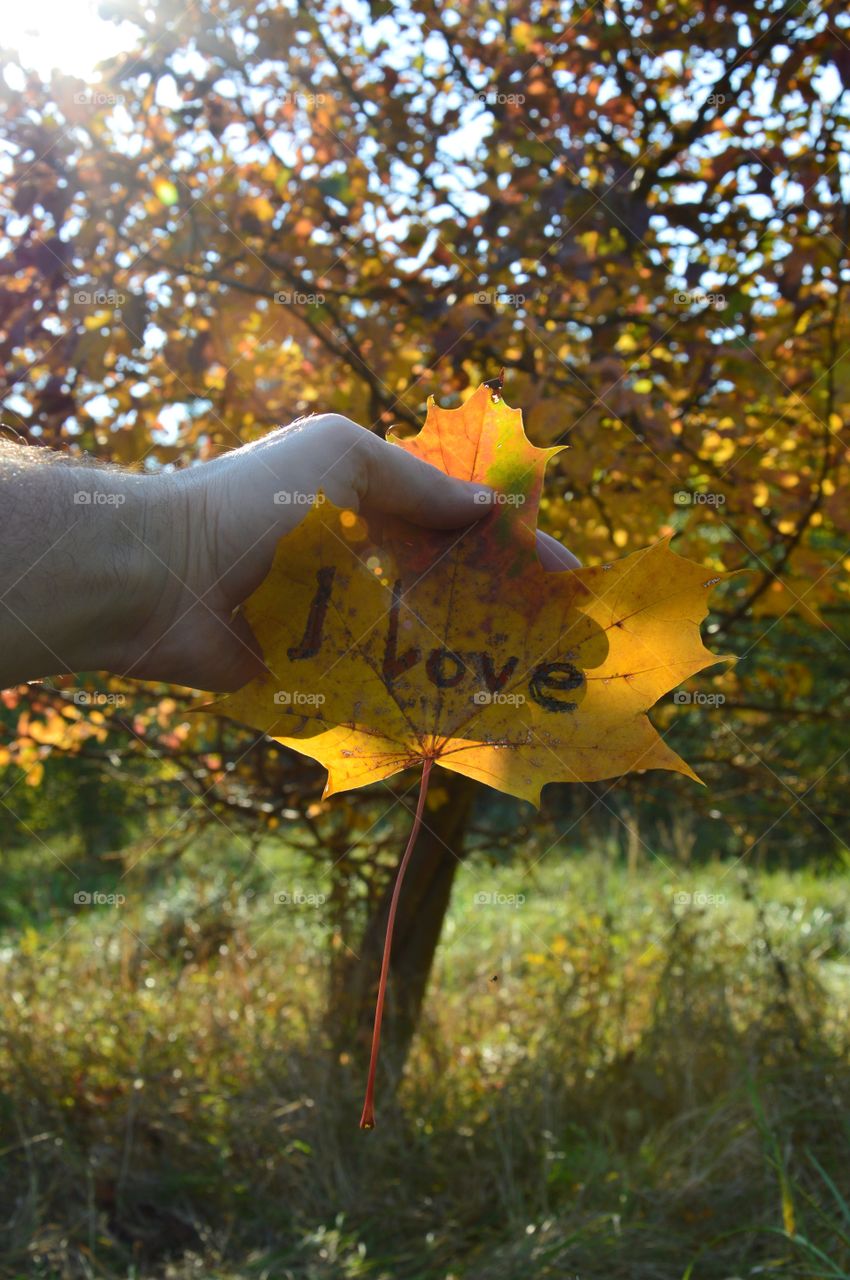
(643, 1088)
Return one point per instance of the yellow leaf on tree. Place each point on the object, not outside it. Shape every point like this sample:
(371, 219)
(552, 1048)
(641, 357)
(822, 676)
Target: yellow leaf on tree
(166, 191)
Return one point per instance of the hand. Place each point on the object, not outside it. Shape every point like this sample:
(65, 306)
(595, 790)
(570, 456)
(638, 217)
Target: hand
(223, 547)
(164, 564)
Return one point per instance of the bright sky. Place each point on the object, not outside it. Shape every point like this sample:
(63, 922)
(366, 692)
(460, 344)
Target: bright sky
(65, 34)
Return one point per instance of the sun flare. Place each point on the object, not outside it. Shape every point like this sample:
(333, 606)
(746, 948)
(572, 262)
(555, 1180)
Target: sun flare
(63, 35)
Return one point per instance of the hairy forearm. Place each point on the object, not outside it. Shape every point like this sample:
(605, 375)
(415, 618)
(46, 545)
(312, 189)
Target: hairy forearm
(81, 563)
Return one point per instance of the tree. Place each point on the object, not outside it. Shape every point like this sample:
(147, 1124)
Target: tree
(640, 211)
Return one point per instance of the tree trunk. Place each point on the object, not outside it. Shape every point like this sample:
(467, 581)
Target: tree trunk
(419, 920)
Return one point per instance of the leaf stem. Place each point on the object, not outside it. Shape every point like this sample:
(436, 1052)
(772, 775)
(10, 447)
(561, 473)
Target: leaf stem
(367, 1120)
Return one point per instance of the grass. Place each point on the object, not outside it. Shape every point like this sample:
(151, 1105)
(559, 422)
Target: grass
(641, 1076)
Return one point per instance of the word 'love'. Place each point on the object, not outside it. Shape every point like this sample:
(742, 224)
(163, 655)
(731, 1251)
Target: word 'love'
(548, 682)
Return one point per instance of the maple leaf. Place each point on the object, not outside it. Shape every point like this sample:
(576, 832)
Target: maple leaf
(389, 644)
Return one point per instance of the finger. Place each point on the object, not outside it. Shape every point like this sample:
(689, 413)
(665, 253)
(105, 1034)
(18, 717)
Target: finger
(400, 484)
(553, 555)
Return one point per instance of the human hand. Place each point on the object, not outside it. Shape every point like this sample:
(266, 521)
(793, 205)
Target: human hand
(165, 561)
(239, 506)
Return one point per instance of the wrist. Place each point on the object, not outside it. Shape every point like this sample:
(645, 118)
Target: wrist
(143, 576)
(121, 551)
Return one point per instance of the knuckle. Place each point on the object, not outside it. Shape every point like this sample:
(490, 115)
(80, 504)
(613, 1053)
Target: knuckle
(336, 427)
(354, 450)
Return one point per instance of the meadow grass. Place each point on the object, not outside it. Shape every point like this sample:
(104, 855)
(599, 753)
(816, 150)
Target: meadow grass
(617, 1075)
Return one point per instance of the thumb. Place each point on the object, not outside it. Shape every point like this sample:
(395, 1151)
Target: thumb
(553, 555)
(400, 484)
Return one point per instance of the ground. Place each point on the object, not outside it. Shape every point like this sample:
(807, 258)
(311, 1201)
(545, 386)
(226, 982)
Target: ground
(618, 1075)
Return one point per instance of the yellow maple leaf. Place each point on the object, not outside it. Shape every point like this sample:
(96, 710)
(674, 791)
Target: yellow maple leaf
(389, 644)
